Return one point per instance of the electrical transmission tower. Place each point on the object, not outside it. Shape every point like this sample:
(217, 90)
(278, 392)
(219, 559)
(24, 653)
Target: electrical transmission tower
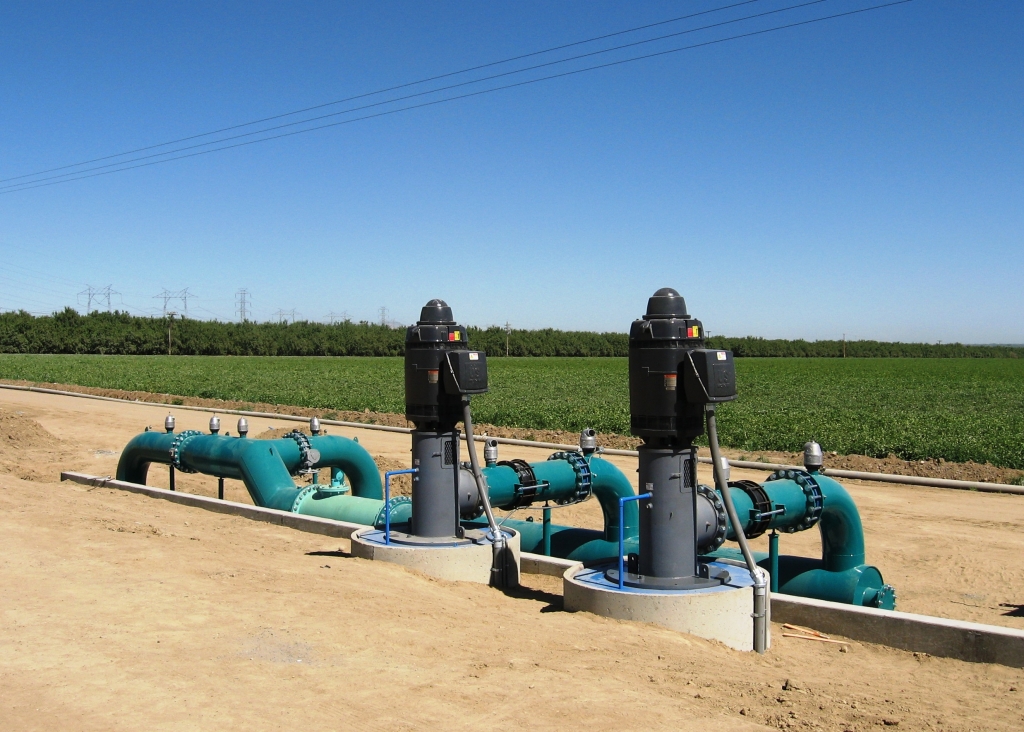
(90, 293)
(334, 317)
(184, 295)
(105, 293)
(383, 315)
(166, 295)
(285, 316)
(243, 305)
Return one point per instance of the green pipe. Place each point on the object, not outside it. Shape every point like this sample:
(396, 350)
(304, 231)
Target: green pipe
(773, 560)
(842, 535)
(608, 484)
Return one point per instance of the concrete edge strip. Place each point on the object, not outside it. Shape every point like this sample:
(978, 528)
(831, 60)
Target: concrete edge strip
(309, 524)
(959, 639)
(936, 636)
(969, 485)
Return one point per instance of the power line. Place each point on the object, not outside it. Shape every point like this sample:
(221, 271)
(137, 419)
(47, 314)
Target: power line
(28, 185)
(18, 186)
(384, 91)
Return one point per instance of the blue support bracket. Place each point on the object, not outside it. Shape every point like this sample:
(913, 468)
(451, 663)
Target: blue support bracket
(622, 537)
(387, 499)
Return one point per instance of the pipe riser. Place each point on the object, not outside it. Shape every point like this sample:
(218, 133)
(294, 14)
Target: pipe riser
(435, 499)
(668, 521)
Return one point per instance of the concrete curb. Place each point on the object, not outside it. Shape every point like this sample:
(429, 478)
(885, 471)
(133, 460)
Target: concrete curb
(958, 639)
(309, 524)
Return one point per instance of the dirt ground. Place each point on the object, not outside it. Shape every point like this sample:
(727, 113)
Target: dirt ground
(118, 611)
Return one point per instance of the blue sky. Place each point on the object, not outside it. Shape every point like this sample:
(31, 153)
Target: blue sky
(864, 175)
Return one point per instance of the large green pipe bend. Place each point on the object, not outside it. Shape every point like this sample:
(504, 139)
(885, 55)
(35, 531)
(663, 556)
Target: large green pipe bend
(265, 466)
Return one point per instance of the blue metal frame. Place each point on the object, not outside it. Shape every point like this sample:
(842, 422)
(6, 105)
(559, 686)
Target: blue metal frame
(387, 499)
(622, 537)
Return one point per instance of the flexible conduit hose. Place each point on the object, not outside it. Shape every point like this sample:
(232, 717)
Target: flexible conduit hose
(499, 575)
(760, 582)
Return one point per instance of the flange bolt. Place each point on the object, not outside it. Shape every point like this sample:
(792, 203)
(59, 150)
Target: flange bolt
(169, 423)
(243, 426)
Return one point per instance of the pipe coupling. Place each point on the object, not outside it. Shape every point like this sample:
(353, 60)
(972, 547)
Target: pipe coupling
(584, 476)
(812, 492)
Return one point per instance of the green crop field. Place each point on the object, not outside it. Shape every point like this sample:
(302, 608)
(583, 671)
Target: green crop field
(957, 409)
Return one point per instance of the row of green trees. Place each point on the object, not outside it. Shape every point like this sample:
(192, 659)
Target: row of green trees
(122, 333)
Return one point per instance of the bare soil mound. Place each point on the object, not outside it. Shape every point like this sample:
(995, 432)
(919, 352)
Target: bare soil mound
(19, 432)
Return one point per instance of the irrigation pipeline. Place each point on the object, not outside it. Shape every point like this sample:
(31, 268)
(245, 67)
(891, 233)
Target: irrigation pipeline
(969, 485)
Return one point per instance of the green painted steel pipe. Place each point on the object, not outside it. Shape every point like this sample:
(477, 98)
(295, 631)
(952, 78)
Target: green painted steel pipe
(608, 485)
(782, 493)
(265, 466)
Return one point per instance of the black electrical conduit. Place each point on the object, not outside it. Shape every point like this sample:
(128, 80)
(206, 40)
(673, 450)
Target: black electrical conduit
(916, 480)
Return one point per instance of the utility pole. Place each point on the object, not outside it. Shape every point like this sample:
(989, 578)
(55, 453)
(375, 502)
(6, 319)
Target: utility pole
(243, 305)
(844, 345)
(508, 332)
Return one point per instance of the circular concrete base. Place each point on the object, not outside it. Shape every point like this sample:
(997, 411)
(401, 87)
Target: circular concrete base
(464, 562)
(720, 613)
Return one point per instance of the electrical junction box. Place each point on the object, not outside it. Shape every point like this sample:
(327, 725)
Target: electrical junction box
(709, 376)
(466, 372)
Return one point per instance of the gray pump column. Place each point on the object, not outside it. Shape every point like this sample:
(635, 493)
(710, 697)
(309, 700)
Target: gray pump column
(662, 346)
(435, 413)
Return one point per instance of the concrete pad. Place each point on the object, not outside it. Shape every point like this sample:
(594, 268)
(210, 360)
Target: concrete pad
(470, 562)
(719, 613)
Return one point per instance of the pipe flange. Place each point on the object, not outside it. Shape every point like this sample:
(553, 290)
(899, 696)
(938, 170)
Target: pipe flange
(762, 505)
(303, 494)
(179, 442)
(394, 503)
(812, 491)
(723, 518)
(584, 476)
(308, 457)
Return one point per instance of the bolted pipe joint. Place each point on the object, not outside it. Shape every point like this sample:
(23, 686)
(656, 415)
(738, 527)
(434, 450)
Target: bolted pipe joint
(214, 424)
(813, 458)
(490, 452)
(243, 426)
(314, 426)
(588, 441)
(169, 423)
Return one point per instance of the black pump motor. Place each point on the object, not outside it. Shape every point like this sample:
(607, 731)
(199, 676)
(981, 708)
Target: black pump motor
(671, 375)
(439, 369)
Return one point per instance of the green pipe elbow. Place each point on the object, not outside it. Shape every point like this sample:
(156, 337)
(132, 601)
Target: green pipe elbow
(141, 450)
(353, 459)
(609, 485)
(842, 534)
